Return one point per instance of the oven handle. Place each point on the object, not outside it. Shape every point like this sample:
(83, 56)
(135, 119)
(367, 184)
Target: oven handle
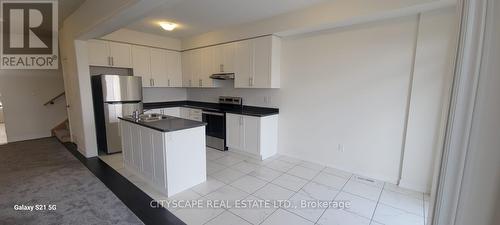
(212, 113)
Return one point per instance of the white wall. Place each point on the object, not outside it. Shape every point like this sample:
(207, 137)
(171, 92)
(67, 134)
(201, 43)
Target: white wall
(430, 92)
(135, 37)
(350, 86)
(23, 94)
(346, 86)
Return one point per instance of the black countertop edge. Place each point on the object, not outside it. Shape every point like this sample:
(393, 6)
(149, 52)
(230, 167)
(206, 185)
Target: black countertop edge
(167, 125)
(243, 110)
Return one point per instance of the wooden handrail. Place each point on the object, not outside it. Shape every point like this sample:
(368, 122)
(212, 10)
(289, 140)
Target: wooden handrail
(51, 101)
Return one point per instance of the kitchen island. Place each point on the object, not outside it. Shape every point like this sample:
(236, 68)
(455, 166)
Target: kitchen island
(167, 152)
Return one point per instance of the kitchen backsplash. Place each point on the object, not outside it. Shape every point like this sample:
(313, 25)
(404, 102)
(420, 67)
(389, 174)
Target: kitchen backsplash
(251, 96)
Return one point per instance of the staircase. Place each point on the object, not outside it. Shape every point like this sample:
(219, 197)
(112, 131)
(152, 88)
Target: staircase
(61, 132)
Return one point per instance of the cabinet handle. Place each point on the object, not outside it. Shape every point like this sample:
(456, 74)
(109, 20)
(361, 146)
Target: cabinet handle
(201, 82)
(190, 83)
(250, 81)
(109, 60)
(153, 82)
(112, 61)
(150, 82)
(168, 82)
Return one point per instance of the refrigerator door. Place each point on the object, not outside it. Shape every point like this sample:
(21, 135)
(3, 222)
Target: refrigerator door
(111, 113)
(117, 88)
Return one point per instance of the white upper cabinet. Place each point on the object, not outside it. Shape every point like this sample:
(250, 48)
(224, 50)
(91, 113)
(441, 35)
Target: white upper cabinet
(121, 54)
(187, 68)
(244, 64)
(142, 64)
(159, 67)
(174, 71)
(106, 53)
(198, 65)
(98, 52)
(224, 58)
(257, 63)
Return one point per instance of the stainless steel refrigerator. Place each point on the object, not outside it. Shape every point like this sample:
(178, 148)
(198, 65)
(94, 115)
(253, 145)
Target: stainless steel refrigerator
(113, 96)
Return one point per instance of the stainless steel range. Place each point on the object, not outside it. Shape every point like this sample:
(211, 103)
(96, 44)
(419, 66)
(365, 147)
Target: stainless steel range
(216, 122)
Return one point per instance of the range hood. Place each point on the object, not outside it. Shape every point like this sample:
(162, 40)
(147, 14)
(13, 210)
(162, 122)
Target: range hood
(222, 76)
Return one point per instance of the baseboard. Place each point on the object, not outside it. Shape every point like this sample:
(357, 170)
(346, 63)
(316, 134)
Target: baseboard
(11, 139)
(412, 186)
(379, 177)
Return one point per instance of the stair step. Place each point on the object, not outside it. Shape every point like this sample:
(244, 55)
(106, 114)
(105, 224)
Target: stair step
(63, 135)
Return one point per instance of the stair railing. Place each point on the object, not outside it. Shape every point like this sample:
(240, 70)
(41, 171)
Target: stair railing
(52, 101)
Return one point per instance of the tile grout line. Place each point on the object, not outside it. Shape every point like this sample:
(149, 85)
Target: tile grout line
(378, 202)
(423, 206)
(267, 217)
(340, 191)
(297, 192)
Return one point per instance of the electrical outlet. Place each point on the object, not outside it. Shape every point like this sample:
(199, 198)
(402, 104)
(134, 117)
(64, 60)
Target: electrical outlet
(340, 147)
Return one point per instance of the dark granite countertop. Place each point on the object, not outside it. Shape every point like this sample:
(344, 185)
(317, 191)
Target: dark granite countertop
(243, 110)
(169, 124)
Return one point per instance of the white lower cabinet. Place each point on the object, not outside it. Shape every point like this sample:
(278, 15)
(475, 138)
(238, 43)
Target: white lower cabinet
(171, 111)
(169, 161)
(191, 114)
(255, 136)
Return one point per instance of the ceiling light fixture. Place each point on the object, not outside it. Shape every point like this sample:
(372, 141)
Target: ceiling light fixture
(168, 26)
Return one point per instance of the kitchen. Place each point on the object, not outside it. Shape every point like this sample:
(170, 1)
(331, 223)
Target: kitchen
(283, 113)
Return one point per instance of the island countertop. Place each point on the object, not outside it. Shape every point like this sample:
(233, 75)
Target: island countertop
(235, 109)
(168, 124)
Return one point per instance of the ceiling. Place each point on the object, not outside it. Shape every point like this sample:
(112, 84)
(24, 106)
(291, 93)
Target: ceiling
(200, 16)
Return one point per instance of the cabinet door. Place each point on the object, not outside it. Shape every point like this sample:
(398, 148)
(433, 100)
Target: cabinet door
(157, 111)
(121, 54)
(159, 160)
(98, 53)
(207, 67)
(251, 133)
(141, 64)
(218, 59)
(243, 69)
(228, 53)
(147, 151)
(159, 67)
(187, 68)
(262, 62)
(126, 142)
(184, 112)
(196, 66)
(233, 131)
(174, 111)
(136, 147)
(174, 70)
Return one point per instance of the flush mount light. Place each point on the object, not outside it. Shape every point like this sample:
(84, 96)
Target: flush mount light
(168, 26)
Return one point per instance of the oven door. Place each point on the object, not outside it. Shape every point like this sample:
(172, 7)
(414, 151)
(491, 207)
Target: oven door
(215, 129)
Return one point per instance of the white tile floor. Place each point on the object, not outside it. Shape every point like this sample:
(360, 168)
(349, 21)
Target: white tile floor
(232, 176)
(3, 135)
